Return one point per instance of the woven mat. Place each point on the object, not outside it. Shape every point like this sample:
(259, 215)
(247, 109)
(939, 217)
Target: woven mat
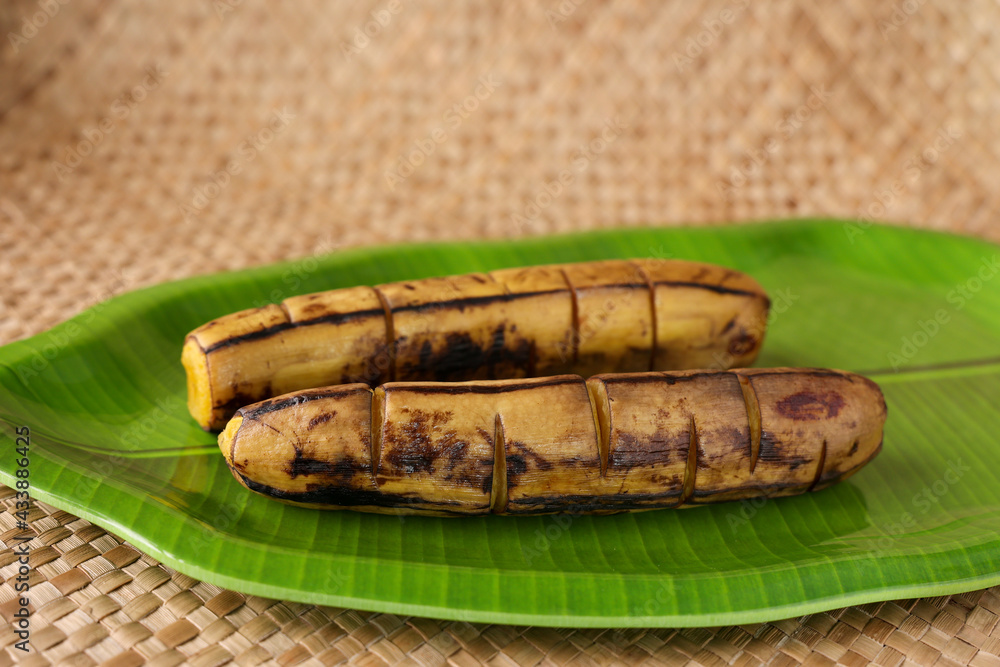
(140, 144)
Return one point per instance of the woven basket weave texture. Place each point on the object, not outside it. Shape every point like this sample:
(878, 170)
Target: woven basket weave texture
(141, 143)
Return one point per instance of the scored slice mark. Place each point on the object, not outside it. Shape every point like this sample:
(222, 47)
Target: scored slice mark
(691, 469)
(600, 405)
(498, 493)
(575, 305)
(753, 417)
(819, 467)
(390, 333)
(652, 311)
(506, 289)
(378, 418)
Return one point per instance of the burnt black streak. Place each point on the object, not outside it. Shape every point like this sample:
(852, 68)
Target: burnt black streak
(811, 372)
(516, 465)
(674, 379)
(416, 446)
(425, 358)
(471, 301)
(487, 436)
(759, 490)
(267, 332)
(338, 496)
(274, 404)
(496, 350)
(409, 446)
(629, 452)
(343, 469)
(321, 419)
(498, 338)
(719, 289)
(487, 486)
(455, 453)
(239, 401)
(574, 461)
(657, 376)
(519, 354)
(300, 465)
(771, 452)
(337, 318)
(485, 389)
(540, 462)
(591, 503)
(458, 355)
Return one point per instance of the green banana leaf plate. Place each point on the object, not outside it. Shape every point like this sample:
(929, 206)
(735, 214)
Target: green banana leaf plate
(103, 396)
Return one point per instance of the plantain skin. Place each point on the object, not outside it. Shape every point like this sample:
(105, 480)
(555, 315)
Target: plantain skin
(704, 316)
(308, 341)
(583, 318)
(611, 443)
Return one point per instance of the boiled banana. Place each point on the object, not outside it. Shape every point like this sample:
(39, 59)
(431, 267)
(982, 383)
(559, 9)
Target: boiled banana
(584, 318)
(613, 442)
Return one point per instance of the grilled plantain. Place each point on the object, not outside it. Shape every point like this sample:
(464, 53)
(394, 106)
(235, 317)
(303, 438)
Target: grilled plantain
(614, 442)
(585, 318)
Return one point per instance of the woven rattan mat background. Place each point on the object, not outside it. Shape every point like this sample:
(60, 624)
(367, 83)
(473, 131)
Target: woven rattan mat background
(140, 144)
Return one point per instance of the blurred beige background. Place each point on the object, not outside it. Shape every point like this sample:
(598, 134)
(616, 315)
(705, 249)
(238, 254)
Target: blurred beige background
(144, 143)
(141, 143)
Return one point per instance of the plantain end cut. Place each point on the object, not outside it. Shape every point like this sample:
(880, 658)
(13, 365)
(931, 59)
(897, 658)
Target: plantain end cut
(227, 438)
(199, 388)
(315, 340)
(615, 442)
